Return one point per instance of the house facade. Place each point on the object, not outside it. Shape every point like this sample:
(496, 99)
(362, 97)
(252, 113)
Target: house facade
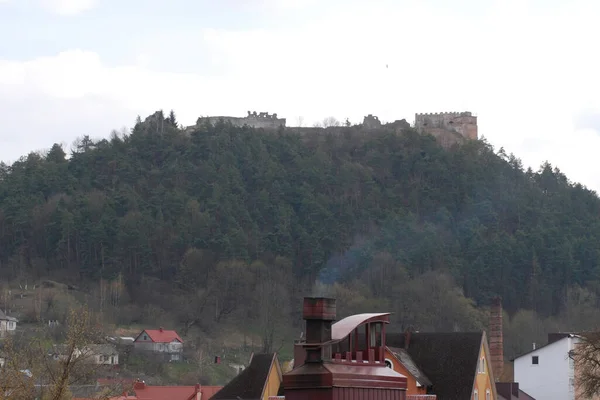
(160, 341)
(549, 372)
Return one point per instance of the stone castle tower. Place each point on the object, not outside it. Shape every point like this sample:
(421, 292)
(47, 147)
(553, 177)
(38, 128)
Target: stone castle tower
(450, 127)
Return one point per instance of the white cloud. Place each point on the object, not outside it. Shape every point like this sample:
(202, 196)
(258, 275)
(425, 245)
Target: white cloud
(524, 77)
(68, 7)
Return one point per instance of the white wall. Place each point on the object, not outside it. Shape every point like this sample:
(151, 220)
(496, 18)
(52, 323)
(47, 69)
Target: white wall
(551, 378)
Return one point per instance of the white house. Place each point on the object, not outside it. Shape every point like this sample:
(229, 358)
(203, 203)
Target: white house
(161, 341)
(7, 324)
(547, 372)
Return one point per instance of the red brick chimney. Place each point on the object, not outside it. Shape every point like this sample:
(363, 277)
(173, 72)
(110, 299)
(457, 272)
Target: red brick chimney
(496, 341)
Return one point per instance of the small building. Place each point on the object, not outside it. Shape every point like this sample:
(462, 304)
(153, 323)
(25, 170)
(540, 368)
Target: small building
(160, 341)
(7, 324)
(511, 391)
(99, 354)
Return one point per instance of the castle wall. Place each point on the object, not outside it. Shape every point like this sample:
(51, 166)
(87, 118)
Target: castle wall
(463, 123)
(252, 121)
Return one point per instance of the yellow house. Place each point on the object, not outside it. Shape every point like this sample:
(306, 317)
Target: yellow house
(484, 387)
(259, 381)
(451, 366)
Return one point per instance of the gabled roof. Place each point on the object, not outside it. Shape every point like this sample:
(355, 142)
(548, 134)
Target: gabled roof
(406, 360)
(552, 338)
(449, 360)
(250, 383)
(161, 335)
(344, 327)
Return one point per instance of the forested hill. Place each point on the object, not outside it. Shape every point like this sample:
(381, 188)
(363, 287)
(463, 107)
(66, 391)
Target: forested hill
(145, 204)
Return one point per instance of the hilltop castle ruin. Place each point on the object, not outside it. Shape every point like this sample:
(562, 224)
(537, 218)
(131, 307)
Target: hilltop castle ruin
(253, 120)
(436, 124)
(447, 127)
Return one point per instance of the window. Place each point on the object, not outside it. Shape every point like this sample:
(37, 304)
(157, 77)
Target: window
(535, 360)
(488, 395)
(145, 337)
(481, 366)
(388, 363)
(476, 395)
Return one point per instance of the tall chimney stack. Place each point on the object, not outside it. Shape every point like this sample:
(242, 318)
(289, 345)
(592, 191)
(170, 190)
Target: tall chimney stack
(496, 340)
(319, 314)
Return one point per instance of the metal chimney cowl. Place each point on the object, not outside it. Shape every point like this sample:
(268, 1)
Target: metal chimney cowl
(319, 313)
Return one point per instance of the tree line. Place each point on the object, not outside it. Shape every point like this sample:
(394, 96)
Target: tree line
(218, 213)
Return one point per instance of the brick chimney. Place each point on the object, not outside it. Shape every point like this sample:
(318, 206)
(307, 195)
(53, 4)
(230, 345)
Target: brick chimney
(496, 341)
(319, 313)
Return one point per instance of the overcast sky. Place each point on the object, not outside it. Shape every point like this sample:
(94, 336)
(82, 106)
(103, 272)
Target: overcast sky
(528, 69)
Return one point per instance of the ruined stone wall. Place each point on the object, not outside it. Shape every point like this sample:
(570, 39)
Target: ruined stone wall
(463, 123)
(254, 120)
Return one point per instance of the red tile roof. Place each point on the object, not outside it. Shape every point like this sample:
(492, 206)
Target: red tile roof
(162, 336)
(143, 392)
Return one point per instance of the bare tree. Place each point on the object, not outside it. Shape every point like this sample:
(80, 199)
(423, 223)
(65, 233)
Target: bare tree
(586, 358)
(330, 121)
(29, 360)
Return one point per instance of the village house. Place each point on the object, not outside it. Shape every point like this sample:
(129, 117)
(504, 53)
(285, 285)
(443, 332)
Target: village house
(261, 380)
(99, 354)
(452, 365)
(417, 382)
(549, 372)
(7, 324)
(160, 341)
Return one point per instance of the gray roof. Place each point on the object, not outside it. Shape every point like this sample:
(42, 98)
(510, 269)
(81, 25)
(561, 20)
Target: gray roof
(405, 359)
(97, 349)
(4, 317)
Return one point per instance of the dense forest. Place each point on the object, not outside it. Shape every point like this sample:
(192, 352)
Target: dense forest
(238, 224)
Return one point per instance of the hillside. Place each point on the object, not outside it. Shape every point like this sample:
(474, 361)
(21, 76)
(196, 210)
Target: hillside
(208, 227)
